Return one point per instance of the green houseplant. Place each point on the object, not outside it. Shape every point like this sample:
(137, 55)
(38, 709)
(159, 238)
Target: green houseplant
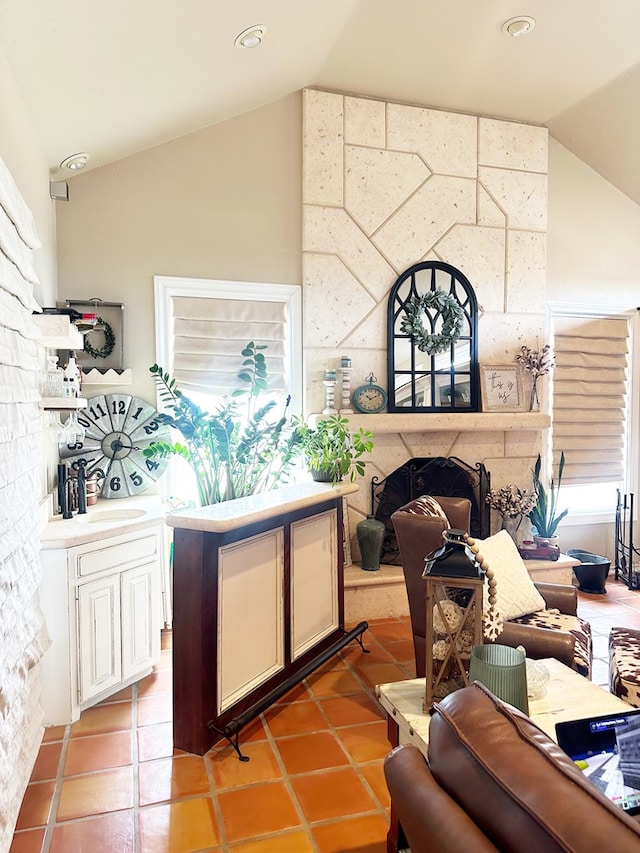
(544, 516)
(332, 449)
(237, 450)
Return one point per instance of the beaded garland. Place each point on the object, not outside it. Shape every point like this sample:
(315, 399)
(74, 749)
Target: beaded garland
(109, 340)
(492, 621)
(452, 316)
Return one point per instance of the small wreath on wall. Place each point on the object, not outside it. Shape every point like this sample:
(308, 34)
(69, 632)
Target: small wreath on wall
(109, 340)
(452, 316)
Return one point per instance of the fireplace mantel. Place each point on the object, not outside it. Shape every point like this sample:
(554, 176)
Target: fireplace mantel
(448, 421)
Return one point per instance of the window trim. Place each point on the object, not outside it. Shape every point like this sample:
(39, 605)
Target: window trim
(166, 287)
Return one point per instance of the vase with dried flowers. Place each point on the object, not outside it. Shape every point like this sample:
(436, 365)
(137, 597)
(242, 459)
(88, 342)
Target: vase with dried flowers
(537, 362)
(513, 504)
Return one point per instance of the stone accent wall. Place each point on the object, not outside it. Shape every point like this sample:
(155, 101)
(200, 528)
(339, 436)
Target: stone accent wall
(387, 185)
(23, 638)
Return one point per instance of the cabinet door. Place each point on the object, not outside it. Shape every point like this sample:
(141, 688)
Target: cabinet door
(99, 650)
(314, 581)
(140, 619)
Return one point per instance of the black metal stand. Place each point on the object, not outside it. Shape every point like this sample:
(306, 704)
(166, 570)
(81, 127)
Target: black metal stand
(232, 730)
(625, 550)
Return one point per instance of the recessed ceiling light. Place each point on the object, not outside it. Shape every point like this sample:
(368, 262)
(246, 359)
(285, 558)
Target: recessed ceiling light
(75, 162)
(251, 37)
(520, 26)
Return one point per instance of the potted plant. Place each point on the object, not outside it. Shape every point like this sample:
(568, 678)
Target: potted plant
(332, 450)
(544, 517)
(513, 503)
(236, 450)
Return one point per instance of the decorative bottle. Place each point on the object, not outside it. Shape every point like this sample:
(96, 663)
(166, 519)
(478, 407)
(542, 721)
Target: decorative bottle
(72, 376)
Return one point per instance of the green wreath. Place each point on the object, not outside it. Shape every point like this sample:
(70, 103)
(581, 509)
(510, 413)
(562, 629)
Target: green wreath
(109, 340)
(452, 316)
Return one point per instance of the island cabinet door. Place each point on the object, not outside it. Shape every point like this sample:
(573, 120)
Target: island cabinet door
(99, 649)
(314, 580)
(250, 615)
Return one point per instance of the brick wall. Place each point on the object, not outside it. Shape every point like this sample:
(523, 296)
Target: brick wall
(23, 638)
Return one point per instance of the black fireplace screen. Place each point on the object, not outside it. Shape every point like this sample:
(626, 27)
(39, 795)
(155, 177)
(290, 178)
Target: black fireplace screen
(446, 476)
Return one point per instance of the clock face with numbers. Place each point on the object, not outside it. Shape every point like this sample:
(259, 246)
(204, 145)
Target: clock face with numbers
(369, 399)
(118, 428)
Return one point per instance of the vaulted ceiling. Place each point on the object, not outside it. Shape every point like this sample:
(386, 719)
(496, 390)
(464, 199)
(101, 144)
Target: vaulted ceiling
(115, 78)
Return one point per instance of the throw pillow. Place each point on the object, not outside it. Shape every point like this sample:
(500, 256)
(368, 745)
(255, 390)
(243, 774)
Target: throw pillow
(515, 592)
(425, 505)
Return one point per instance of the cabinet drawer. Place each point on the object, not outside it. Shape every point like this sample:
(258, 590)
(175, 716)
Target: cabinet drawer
(113, 556)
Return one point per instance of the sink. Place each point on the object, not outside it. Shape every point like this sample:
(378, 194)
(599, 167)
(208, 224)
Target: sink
(113, 515)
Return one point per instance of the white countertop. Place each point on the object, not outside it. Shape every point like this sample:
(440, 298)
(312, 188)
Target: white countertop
(220, 518)
(101, 521)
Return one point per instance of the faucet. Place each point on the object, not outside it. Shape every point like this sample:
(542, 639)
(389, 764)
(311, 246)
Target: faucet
(82, 488)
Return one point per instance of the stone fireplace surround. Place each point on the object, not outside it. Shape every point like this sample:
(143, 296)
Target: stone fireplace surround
(449, 477)
(385, 186)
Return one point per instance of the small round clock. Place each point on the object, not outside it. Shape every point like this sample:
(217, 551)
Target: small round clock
(118, 427)
(369, 398)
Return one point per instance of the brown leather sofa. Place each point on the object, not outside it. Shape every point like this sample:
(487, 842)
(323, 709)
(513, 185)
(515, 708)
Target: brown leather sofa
(494, 781)
(418, 534)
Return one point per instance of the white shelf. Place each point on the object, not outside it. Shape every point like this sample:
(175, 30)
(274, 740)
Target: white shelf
(62, 404)
(107, 376)
(56, 331)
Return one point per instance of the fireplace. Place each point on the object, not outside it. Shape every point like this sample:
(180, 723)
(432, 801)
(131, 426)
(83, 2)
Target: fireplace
(447, 476)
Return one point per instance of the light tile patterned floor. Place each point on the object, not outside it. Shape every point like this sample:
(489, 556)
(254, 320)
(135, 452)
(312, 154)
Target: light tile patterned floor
(112, 782)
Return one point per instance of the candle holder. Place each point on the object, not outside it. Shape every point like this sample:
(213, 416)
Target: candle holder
(345, 385)
(329, 382)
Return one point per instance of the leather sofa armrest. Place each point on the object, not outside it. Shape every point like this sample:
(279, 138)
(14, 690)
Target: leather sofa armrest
(539, 642)
(431, 821)
(562, 596)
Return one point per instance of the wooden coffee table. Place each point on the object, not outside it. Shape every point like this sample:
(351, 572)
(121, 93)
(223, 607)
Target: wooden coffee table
(570, 696)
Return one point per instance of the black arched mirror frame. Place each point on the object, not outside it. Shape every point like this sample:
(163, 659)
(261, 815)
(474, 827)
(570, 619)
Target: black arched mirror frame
(446, 380)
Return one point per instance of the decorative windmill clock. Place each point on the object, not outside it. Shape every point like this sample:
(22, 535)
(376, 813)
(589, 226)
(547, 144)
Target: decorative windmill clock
(118, 427)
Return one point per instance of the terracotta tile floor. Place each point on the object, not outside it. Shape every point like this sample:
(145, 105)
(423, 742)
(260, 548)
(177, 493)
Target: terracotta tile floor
(112, 783)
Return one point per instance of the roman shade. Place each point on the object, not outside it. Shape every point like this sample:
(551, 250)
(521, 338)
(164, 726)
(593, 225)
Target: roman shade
(210, 333)
(590, 397)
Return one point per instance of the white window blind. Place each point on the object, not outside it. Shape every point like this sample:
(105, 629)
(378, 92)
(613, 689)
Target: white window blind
(590, 397)
(202, 326)
(209, 335)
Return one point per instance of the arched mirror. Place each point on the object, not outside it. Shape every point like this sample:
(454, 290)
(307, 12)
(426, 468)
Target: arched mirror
(432, 326)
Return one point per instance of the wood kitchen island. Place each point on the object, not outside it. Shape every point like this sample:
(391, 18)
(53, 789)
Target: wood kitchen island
(258, 601)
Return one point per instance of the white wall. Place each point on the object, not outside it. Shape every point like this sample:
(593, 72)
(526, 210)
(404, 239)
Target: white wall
(593, 257)
(21, 151)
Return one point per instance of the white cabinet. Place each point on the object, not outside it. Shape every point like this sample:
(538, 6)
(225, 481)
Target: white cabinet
(102, 605)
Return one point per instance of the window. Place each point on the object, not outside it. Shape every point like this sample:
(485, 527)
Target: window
(592, 407)
(201, 328)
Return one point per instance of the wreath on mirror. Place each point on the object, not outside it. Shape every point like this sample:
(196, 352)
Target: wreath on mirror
(452, 317)
(109, 340)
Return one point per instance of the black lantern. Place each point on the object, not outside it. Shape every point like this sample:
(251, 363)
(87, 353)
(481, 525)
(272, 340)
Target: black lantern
(452, 559)
(454, 582)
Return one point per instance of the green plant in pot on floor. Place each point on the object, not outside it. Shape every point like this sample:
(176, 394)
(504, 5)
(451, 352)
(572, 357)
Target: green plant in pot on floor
(236, 450)
(332, 449)
(544, 516)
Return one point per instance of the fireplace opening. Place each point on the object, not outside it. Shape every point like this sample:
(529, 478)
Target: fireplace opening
(439, 475)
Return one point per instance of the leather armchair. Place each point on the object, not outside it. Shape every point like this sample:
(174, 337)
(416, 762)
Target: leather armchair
(418, 534)
(493, 781)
